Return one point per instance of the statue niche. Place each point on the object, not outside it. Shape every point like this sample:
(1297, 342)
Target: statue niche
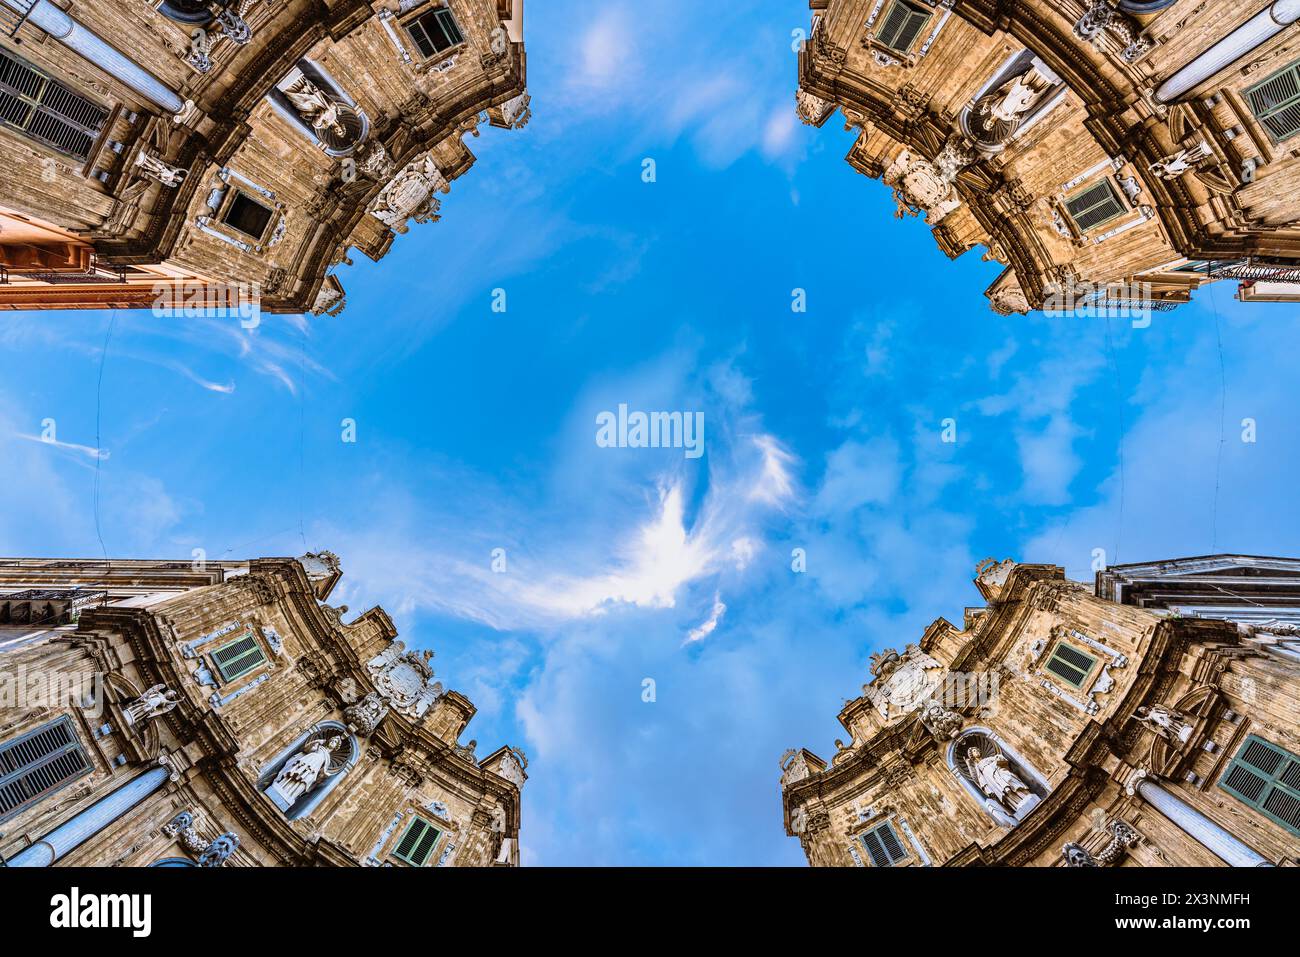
(301, 775)
(1018, 94)
(317, 106)
(1006, 786)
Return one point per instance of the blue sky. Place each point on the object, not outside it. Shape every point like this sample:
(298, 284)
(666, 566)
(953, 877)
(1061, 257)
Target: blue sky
(476, 431)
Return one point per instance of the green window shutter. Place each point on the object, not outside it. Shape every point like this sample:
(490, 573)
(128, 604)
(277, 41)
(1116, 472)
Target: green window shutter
(1276, 103)
(1095, 206)
(238, 657)
(883, 845)
(1267, 778)
(1070, 664)
(903, 23)
(416, 843)
(39, 763)
(435, 31)
(47, 111)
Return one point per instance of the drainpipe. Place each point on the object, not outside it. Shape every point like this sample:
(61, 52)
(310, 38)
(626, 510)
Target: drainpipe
(1257, 30)
(86, 43)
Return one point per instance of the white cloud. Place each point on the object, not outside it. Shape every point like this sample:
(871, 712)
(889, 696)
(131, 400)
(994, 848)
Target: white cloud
(707, 627)
(89, 451)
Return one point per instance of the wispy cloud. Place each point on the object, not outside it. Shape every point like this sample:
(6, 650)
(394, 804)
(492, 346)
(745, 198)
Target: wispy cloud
(89, 451)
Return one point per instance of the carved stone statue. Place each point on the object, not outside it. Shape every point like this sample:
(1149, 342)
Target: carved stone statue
(1176, 164)
(302, 772)
(157, 701)
(149, 165)
(314, 106)
(1169, 724)
(992, 774)
(799, 820)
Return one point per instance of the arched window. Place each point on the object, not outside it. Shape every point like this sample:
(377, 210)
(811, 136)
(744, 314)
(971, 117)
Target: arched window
(1003, 783)
(321, 757)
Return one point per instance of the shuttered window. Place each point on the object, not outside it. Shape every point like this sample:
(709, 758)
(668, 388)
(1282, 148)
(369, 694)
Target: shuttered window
(238, 657)
(47, 111)
(434, 31)
(1095, 206)
(39, 763)
(1070, 664)
(903, 23)
(883, 845)
(1276, 103)
(417, 841)
(1267, 778)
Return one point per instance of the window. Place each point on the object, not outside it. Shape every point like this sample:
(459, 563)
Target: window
(1070, 664)
(903, 23)
(247, 215)
(416, 844)
(238, 657)
(434, 31)
(38, 764)
(1267, 778)
(1095, 206)
(47, 111)
(883, 845)
(1276, 103)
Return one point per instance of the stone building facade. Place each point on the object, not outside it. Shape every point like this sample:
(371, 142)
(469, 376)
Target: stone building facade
(1107, 152)
(1151, 721)
(208, 154)
(163, 714)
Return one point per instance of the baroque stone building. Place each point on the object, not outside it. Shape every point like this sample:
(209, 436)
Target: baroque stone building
(208, 154)
(162, 714)
(1105, 151)
(1154, 720)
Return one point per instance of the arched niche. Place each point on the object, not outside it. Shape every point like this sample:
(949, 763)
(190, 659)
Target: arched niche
(320, 108)
(996, 762)
(173, 862)
(341, 760)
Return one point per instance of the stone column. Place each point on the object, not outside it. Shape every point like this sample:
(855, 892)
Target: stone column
(85, 825)
(1256, 31)
(1198, 827)
(85, 42)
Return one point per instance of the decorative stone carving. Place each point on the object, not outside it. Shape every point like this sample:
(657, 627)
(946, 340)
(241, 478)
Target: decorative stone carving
(219, 851)
(512, 766)
(410, 195)
(1101, 16)
(404, 679)
(1122, 837)
(943, 725)
(233, 27)
(799, 820)
(155, 702)
(516, 112)
(181, 827)
(902, 683)
(364, 716)
(919, 183)
(794, 768)
(812, 110)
